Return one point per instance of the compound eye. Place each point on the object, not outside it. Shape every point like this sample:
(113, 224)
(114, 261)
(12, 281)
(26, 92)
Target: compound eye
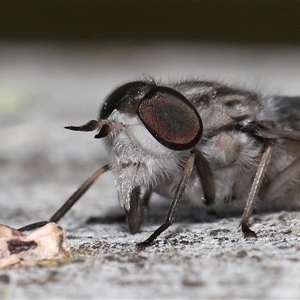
(170, 118)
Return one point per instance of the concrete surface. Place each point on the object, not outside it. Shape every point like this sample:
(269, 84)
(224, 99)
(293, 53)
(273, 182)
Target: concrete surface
(45, 87)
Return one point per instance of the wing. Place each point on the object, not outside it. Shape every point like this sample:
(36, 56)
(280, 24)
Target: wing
(279, 118)
(223, 107)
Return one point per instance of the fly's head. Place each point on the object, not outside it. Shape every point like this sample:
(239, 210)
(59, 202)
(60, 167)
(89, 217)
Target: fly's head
(149, 131)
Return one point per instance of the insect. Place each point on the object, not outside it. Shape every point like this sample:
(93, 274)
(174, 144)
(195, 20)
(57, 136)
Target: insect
(200, 142)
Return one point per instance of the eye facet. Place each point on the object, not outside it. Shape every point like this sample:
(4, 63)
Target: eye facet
(170, 118)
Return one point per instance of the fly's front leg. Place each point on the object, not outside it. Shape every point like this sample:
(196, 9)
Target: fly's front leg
(134, 216)
(70, 202)
(186, 174)
(262, 167)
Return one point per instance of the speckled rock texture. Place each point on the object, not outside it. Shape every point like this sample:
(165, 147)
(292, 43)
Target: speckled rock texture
(44, 87)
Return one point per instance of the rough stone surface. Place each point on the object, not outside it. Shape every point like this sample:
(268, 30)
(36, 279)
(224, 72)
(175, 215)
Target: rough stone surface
(45, 87)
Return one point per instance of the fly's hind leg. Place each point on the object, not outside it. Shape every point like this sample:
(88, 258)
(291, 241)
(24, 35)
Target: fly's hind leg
(259, 176)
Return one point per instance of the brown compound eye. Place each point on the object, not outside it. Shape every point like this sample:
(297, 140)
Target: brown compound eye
(170, 118)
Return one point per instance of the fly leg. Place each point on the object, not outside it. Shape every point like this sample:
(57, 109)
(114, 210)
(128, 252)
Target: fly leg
(70, 202)
(186, 174)
(206, 177)
(135, 215)
(262, 167)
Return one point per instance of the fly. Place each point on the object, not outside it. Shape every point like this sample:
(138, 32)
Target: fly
(200, 142)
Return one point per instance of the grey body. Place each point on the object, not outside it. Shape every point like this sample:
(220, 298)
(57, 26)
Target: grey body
(235, 125)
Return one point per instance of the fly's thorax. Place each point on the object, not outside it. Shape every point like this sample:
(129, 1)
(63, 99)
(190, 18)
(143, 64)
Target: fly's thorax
(234, 157)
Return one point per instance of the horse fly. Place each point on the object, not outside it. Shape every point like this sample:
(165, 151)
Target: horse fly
(200, 142)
